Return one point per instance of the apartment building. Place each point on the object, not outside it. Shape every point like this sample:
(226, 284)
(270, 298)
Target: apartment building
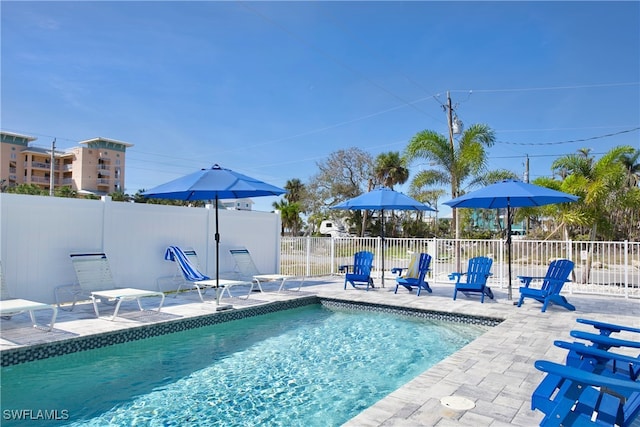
(96, 166)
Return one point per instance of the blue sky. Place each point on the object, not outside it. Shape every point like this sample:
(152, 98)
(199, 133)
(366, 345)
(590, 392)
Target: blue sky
(271, 88)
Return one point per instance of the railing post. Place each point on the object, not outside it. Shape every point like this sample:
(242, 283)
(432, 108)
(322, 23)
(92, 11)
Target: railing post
(379, 257)
(626, 269)
(570, 256)
(307, 267)
(434, 256)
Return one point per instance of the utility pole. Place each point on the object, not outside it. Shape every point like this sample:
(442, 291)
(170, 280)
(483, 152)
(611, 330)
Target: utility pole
(455, 185)
(52, 167)
(454, 217)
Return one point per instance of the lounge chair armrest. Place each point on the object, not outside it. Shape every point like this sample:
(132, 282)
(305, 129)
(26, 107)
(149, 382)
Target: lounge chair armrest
(595, 352)
(607, 328)
(526, 280)
(398, 270)
(602, 340)
(344, 268)
(456, 276)
(584, 377)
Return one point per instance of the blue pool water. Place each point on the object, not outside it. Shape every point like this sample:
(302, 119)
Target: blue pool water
(310, 366)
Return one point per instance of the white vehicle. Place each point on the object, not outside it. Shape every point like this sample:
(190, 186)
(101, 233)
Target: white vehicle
(333, 228)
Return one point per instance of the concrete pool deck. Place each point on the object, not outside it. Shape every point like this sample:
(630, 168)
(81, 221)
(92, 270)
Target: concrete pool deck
(495, 371)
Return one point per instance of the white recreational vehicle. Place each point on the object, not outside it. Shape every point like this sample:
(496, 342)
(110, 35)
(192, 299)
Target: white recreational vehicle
(333, 228)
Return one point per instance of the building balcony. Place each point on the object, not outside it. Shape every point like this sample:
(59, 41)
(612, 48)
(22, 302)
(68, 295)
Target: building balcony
(42, 165)
(103, 182)
(40, 179)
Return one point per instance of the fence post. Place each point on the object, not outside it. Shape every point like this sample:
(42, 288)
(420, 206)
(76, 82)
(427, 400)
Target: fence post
(307, 266)
(432, 249)
(501, 262)
(626, 269)
(570, 256)
(379, 257)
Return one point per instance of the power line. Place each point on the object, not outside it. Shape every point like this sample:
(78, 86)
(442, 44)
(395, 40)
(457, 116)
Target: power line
(572, 140)
(530, 89)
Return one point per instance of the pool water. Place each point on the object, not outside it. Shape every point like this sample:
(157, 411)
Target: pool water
(310, 366)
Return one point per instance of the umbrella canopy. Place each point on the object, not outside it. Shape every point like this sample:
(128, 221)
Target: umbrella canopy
(510, 194)
(382, 199)
(209, 184)
(213, 184)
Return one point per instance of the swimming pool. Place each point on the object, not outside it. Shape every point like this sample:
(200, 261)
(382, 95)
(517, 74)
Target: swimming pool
(312, 366)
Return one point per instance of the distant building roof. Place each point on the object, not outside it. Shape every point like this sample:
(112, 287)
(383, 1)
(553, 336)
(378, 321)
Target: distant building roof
(107, 143)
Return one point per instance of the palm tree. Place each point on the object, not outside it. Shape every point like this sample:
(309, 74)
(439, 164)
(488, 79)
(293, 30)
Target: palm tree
(631, 163)
(596, 182)
(295, 190)
(290, 216)
(453, 164)
(600, 185)
(630, 216)
(390, 169)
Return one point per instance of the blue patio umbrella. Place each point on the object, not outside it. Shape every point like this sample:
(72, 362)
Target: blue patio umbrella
(510, 194)
(213, 184)
(382, 199)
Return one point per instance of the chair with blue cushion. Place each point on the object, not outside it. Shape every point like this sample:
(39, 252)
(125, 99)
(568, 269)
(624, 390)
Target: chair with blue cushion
(415, 275)
(360, 270)
(191, 275)
(477, 273)
(553, 281)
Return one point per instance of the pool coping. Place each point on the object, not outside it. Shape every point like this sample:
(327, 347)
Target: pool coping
(24, 354)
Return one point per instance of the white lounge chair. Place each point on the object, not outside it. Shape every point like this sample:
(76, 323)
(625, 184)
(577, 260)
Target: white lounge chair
(248, 270)
(9, 307)
(188, 273)
(95, 278)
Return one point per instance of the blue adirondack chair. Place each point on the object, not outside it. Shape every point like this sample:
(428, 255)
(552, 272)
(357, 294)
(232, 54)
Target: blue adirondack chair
(601, 360)
(607, 328)
(568, 396)
(477, 274)
(360, 270)
(415, 275)
(552, 283)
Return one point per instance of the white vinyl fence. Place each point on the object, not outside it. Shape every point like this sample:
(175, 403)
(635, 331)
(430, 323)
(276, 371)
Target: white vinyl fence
(604, 268)
(37, 233)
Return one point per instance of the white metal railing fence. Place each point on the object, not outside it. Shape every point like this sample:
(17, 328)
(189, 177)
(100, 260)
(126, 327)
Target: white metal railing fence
(603, 268)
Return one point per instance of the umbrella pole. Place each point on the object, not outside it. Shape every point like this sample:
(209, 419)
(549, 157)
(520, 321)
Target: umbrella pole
(217, 236)
(509, 248)
(382, 250)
